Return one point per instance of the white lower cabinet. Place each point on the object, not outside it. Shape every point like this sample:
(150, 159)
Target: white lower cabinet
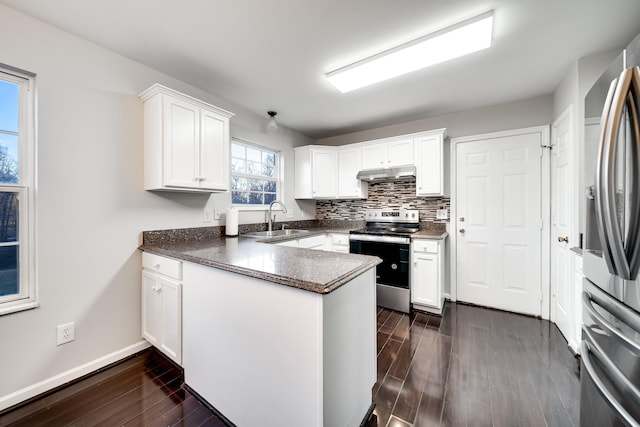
(162, 304)
(427, 270)
(339, 242)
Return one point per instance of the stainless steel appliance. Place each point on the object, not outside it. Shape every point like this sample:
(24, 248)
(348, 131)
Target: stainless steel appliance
(387, 235)
(610, 375)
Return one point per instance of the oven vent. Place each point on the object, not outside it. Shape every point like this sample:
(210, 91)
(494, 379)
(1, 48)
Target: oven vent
(388, 174)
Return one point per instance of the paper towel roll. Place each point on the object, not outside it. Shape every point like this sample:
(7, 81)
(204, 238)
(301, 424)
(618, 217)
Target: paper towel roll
(231, 226)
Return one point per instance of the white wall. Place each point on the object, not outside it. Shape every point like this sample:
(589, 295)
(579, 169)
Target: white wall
(91, 207)
(514, 115)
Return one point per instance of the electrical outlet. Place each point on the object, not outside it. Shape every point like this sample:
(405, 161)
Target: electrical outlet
(207, 215)
(216, 214)
(66, 333)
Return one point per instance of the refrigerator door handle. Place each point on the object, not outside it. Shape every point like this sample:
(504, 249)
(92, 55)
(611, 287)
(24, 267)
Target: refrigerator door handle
(605, 166)
(633, 230)
(619, 312)
(621, 252)
(587, 351)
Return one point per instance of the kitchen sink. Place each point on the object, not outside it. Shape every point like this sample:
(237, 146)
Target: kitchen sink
(276, 233)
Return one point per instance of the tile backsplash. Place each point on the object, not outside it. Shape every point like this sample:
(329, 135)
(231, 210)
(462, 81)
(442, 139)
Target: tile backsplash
(393, 195)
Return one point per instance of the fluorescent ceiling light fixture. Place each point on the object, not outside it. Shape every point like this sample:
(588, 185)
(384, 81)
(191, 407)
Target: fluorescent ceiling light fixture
(460, 39)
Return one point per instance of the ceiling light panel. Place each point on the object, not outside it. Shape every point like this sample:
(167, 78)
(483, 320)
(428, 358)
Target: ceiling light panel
(461, 39)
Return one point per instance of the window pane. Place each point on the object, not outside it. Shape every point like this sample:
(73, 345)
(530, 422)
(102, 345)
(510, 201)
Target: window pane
(254, 168)
(8, 159)
(255, 185)
(239, 197)
(237, 150)
(239, 183)
(9, 270)
(237, 165)
(255, 198)
(8, 106)
(254, 155)
(268, 198)
(270, 186)
(8, 217)
(268, 164)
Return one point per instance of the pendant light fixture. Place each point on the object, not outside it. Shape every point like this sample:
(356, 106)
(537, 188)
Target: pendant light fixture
(272, 120)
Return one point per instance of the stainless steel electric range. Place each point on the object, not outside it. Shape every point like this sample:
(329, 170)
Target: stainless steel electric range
(387, 235)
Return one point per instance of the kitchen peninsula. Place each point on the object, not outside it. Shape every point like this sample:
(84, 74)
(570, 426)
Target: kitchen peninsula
(275, 335)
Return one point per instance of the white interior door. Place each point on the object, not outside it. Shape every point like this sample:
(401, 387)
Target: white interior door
(562, 304)
(499, 221)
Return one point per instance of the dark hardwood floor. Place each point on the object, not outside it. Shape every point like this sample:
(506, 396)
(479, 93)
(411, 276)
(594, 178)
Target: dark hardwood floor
(145, 390)
(471, 367)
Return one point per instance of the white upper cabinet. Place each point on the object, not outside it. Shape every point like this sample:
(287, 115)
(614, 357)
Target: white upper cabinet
(186, 142)
(387, 154)
(316, 174)
(430, 156)
(326, 172)
(349, 164)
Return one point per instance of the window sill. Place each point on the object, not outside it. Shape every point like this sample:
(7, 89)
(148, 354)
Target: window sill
(17, 306)
(256, 208)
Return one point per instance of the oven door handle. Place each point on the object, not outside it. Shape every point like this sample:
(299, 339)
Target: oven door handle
(381, 239)
(587, 351)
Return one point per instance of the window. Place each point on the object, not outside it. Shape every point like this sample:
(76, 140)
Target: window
(17, 147)
(255, 175)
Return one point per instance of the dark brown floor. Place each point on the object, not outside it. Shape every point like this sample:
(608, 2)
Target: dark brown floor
(473, 366)
(145, 390)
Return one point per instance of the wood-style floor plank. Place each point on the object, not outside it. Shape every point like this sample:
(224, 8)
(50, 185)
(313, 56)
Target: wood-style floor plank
(143, 390)
(474, 367)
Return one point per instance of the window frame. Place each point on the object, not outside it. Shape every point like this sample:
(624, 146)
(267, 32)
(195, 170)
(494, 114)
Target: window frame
(277, 176)
(27, 296)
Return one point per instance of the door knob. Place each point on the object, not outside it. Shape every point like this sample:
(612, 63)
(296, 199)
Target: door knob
(563, 239)
(462, 230)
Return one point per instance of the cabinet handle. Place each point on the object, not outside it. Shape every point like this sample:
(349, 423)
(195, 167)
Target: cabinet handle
(156, 266)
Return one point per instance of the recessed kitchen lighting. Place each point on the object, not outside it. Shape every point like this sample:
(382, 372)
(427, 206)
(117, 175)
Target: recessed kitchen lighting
(457, 40)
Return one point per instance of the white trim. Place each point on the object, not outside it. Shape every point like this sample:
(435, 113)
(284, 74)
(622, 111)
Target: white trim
(545, 207)
(43, 386)
(27, 185)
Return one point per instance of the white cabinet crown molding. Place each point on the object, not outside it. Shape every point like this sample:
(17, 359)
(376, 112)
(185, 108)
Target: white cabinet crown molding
(158, 88)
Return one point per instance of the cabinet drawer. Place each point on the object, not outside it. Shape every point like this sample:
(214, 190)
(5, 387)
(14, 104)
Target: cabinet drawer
(340, 239)
(159, 264)
(312, 242)
(430, 246)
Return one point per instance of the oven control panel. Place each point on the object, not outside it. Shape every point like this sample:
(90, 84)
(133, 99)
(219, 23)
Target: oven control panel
(392, 215)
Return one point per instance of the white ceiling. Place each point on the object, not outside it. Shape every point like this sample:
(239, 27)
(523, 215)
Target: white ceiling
(272, 55)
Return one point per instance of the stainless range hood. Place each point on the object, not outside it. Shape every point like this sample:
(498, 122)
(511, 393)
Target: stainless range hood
(387, 174)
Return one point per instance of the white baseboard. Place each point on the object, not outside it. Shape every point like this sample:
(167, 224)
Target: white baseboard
(28, 392)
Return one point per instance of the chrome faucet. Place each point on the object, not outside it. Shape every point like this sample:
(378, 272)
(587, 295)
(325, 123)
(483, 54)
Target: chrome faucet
(271, 220)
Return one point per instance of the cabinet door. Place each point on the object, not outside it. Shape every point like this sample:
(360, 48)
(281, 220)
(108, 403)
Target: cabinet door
(181, 150)
(150, 307)
(400, 152)
(374, 156)
(170, 319)
(429, 173)
(349, 164)
(425, 285)
(214, 151)
(324, 176)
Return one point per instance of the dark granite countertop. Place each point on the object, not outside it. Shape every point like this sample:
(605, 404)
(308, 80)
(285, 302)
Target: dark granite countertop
(312, 270)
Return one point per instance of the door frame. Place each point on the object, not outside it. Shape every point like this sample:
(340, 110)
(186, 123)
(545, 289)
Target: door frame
(545, 186)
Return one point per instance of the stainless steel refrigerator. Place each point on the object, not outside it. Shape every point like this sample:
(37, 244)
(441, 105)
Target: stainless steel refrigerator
(610, 370)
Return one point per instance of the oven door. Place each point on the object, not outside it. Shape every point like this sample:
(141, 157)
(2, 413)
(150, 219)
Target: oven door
(394, 269)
